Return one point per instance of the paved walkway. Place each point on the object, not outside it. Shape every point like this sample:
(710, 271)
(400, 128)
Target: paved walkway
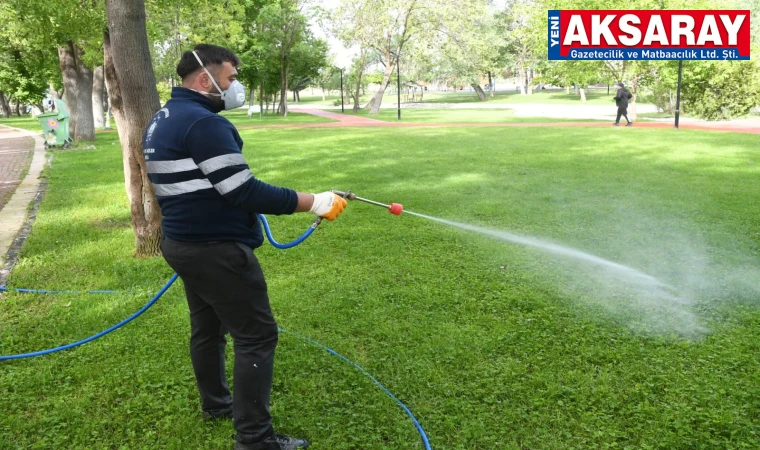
(346, 120)
(16, 150)
(19, 150)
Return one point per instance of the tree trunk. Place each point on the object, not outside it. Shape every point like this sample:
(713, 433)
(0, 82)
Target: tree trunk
(323, 95)
(115, 106)
(18, 108)
(4, 107)
(98, 90)
(251, 98)
(77, 83)
(634, 89)
(133, 78)
(583, 94)
(298, 96)
(567, 90)
(490, 84)
(294, 97)
(529, 81)
(261, 98)
(355, 109)
(479, 91)
(522, 80)
(377, 100)
(108, 113)
(284, 66)
(54, 94)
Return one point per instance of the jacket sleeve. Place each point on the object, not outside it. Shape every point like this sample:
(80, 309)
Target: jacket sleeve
(214, 149)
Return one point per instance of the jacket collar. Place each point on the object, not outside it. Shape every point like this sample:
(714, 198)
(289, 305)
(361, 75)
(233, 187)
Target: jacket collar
(181, 93)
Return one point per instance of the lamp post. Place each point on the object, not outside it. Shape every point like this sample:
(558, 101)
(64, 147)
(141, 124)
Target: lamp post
(678, 92)
(398, 84)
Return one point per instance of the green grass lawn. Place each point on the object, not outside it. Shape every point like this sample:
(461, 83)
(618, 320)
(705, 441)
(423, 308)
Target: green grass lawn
(593, 97)
(457, 116)
(597, 97)
(26, 122)
(239, 117)
(490, 344)
(330, 100)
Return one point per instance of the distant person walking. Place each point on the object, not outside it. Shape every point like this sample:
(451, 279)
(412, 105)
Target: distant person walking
(621, 100)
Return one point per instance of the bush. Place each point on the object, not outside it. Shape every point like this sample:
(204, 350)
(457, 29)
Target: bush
(721, 90)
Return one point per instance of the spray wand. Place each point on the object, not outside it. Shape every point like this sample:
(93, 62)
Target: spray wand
(393, 208)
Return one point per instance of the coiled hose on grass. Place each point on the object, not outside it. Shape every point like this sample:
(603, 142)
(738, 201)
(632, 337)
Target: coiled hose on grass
(168, 285)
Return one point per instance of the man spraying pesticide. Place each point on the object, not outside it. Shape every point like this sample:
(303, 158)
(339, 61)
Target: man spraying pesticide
(209, 200)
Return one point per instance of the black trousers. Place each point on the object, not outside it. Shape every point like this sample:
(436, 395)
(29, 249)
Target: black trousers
(622, 111)
(226, 292)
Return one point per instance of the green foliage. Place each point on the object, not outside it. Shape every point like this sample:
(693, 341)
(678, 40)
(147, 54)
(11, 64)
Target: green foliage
(44, 25)
(307, 59)
(720, 90)
(25, 74)
(164, 91)
(434, 38)
(29, 37)
(176, 26)
(374, 77)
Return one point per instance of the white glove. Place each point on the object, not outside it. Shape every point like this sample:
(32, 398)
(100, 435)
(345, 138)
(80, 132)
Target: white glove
(328, 205)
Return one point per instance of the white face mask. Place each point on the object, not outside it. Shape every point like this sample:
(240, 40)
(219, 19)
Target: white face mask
(233, 97)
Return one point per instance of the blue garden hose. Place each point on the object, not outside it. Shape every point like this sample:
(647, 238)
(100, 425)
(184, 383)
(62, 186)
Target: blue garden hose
(94, 336)
(168, 285)
(147, 305)
(303, 237)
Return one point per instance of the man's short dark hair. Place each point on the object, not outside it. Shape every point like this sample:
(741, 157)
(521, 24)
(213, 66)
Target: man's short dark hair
(211, 55)
(620, 83)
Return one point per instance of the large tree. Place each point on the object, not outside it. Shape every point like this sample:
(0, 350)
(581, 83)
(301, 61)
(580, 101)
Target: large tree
(283, 27)
(387, 26)
(77, 90)
(134, 99)
(307, 59)
(523, 28)
(75, 29)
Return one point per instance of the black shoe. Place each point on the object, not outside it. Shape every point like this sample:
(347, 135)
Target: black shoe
(276, 442)
(629, 124)
(213, 416)
(616, 124)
